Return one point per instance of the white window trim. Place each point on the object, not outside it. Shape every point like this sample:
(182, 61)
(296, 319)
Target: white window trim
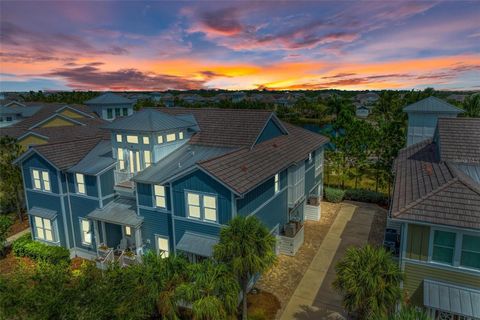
(155, 196)
(201, 206)
(82, 232)
(52, 229)
(457, 250)
(161, 251)
(41, 180)
(170, 139)
(77, 184)
(276, 183)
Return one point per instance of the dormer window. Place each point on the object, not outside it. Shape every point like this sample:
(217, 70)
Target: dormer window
(119, 138)
(125, 112)
(147, 158)
(160, 139)
(121, 159)
(180, 135)
(132, 139)
(146, 140)
(171, 137)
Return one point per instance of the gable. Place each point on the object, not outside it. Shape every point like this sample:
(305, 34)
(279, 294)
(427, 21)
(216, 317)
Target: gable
(271, 130)
(71, 114)
(57, 121)
(30, 140)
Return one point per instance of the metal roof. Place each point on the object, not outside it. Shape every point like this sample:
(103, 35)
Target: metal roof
(149, 120)
(121, 211)
(432, 104)
(451, 298)
(109, 98)
(177, 162)
(98, 159)
(23, 111)
(198, 244)
(42, 212)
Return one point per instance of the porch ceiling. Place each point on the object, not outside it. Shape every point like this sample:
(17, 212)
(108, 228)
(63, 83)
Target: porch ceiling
(120, 211)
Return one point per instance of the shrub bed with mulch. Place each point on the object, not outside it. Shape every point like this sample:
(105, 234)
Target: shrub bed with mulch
(262, 305)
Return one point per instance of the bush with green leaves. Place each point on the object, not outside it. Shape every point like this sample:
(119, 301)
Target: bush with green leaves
(5, 224)
(26, 247)
(409, 313)
(334, 195)
(364, 195)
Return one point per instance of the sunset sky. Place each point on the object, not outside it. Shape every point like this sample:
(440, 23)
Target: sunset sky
(286, 45)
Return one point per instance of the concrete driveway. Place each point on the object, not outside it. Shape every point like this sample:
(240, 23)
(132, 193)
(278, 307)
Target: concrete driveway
(314, 297)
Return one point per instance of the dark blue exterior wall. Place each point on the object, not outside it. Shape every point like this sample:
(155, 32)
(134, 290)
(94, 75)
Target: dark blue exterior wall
(309, 175)
(145, 194)
(114, 234)
(182, 225)
(81, 207)
(271, 130)
(201, 182)
(37, 162)
(155, 223)
(107, 183)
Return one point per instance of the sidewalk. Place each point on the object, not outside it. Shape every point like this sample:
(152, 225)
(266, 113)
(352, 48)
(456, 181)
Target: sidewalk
(16, 236)
(314, 298)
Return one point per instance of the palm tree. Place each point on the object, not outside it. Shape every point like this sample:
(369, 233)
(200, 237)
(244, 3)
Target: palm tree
(409, 313)
(472, 106)
(211, 289)
(247, 248)
(369, 280)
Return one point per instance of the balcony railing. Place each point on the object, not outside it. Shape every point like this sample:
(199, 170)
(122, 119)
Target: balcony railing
(121, 176)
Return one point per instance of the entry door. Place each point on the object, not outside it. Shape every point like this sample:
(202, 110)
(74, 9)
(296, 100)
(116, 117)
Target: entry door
(134, 160)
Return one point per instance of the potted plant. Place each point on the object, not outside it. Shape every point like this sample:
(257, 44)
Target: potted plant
(103, 250)
(129, 257)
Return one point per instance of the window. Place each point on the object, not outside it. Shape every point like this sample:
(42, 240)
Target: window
(147, 158)
(277, 183)
(9, 119)
(210, 208)
(125, 112)
(310, 157)
(132, 139)
(121, 159)
(160, 196)
(117, 112)
(86, 231)
(193, 202)
(146, 140)
(137, 160)
(202, 206)
(162, 247)
(80, 178)
(470, 256)
(43, 228)
(109, 113)
(318, 161)
(180, 135)
(128, 231)
(171, 137)
(41, 180)
(443, 246)
(160, 139)
(119, 138)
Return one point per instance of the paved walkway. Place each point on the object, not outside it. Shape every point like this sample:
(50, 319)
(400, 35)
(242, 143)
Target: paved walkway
(16, 236)
(314, 297)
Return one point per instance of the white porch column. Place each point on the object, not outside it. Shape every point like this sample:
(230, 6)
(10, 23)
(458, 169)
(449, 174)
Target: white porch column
(96, 233)
(104, 233)
(138, 240)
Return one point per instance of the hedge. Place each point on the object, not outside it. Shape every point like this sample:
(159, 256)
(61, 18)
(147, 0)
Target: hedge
(364, 195)
(334, 195)
(26, 247)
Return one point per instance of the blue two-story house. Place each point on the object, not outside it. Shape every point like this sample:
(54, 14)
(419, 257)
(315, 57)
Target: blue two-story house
(169, 179)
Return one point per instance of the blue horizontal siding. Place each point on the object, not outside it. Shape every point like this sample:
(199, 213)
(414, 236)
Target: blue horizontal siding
(107, 183)
(81, 207)
(183, 225)
(201, 182)
(37, 162)
(155, 223)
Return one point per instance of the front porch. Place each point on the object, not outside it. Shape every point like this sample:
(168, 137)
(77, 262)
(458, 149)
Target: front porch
(117, 228)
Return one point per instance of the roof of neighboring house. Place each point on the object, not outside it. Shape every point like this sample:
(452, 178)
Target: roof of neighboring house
(459, 139)
(225, 127)
(432, 104)
(244, 169)
(66, 154)
(97, 160)
(23, 111)
(433, 191)
(178, 162)
(149, 120)
(109, 98)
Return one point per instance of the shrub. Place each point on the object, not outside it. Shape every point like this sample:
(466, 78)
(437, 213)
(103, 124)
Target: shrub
(26, 247)
(364, 195)
(334, 195)
(5, 224)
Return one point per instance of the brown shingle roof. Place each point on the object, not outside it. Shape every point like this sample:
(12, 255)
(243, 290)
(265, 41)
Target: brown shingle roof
(225, 127)
(429, 190)
(66, 154)
(246, 168)
(459, 139)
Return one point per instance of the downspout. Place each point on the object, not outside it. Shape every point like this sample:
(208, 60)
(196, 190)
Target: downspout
(71, 216)
(62, 204)
(173, 219)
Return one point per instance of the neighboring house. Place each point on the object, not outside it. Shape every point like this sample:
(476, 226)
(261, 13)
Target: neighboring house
(15, 112)
(362, 112)
(367, 99)
(423, 115)
(43, 123)
(436, 205)
(168, 100)
(110, 106)
(238, 96)
(192, 98)
(457, 97)
(156, 96)
(169, 181)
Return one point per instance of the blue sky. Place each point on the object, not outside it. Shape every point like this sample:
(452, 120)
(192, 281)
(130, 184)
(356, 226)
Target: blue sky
(286, 45)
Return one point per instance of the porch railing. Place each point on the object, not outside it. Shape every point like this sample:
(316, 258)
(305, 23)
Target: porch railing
(122, 176)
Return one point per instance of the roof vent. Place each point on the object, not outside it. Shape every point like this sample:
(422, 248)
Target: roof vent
(275, 145)
(244, 168)
(428, 168)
